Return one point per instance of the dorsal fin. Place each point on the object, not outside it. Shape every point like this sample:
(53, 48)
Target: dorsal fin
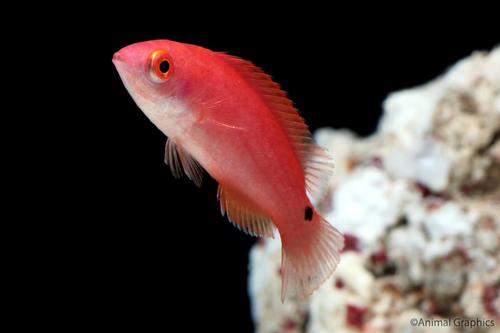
(315, 161)
(179, 160)
(244, 217)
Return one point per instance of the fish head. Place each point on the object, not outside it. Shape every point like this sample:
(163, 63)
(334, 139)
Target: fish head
(152, 72)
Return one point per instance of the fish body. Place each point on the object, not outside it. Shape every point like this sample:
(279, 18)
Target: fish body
(224, 115)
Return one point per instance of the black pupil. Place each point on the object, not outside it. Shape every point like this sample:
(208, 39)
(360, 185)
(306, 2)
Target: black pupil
(164, 66)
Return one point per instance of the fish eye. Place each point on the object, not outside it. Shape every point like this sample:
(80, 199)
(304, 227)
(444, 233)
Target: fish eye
(164, 66)
(159, 66)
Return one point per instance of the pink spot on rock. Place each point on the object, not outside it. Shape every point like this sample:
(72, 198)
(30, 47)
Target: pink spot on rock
(434, 203)
(351, 243)
(490, 294)
(288, 325)
(380, 257)
(355, 315)
(377, 162)
(391, 287)
(487, 223)
(430, 307)
(467, 189)
(461, 251)
(423, 189)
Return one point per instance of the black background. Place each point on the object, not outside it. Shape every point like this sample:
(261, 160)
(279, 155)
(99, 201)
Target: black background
(166, 255)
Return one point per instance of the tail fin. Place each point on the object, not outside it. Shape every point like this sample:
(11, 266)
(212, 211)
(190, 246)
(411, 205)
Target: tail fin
(309, 258)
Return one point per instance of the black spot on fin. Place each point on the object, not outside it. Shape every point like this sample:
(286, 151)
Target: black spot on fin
(308, 214)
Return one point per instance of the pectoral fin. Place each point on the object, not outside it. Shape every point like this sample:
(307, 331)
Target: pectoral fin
(180, 161)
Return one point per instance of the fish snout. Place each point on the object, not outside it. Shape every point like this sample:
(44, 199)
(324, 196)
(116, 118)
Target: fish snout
(117, 57)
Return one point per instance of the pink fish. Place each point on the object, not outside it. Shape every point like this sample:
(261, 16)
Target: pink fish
(224, 115)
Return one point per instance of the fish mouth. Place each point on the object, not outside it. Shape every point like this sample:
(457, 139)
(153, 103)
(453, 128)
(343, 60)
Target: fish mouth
(131, 79)
(121, 65)
(126, 73)
(117, 58)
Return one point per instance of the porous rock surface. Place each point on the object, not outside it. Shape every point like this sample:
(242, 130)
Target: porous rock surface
(419, 204)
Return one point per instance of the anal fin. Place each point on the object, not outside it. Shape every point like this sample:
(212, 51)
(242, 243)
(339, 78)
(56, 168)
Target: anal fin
(244, 217)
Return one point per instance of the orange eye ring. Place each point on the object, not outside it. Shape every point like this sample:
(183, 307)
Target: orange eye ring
(160, 66)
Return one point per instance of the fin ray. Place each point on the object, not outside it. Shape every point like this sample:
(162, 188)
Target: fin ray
(307, 262)
(244, 217)
(308, 152)
(180, 161)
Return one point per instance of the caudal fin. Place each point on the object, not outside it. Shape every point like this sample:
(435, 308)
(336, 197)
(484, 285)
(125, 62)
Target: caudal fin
(310, 257)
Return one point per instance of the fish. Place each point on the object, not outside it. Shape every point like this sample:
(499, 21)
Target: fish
(225, 116)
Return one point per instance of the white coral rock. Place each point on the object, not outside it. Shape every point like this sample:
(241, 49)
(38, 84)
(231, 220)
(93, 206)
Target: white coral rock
(367, 203)
(329, 305)
(446, 219)
(422, 196)
(427, 163)
(268, 312)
